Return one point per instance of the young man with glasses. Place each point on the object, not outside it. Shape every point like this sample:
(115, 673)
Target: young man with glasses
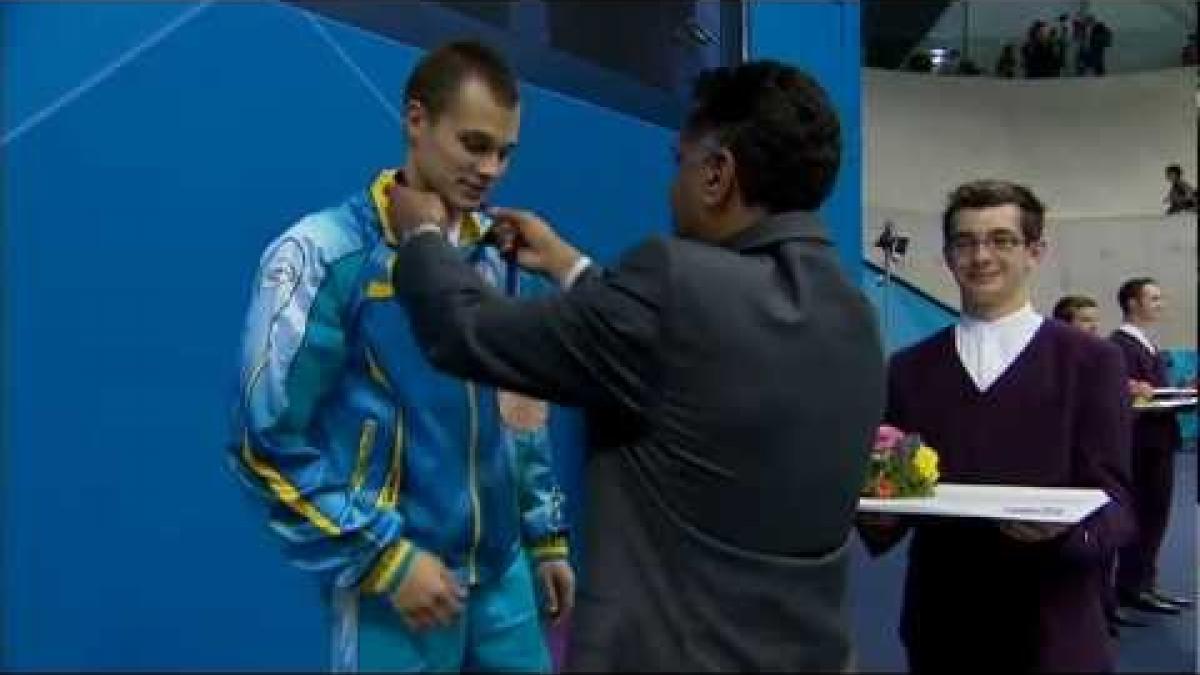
(1009, 398)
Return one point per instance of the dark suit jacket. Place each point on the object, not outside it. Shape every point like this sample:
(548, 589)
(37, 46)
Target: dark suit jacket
(732, 393)
(1157, 430)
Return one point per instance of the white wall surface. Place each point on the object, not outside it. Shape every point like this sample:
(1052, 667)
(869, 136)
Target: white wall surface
(1090, 147)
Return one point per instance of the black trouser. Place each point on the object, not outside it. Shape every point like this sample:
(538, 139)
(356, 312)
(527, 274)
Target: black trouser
(1111, 601)
(1153, 481)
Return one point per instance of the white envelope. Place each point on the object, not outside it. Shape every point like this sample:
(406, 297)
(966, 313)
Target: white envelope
(1167, 404)
(1000, 502)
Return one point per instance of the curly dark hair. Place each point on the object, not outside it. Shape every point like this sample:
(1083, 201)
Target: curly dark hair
(440, 73)
(1132, 290)
(1068, 305)
(982, 194)
(780, 127)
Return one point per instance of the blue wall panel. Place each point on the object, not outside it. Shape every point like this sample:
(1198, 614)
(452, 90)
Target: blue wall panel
(137, 213)
(905, 317)
(822, 38)
(1182, 373)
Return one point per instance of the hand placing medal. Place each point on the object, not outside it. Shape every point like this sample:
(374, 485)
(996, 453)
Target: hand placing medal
(520, 412)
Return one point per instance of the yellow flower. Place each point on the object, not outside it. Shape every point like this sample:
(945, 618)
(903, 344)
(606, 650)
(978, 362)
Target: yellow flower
(925, 461)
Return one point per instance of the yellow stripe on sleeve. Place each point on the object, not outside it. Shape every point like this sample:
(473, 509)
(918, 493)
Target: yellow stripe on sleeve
(382, 575)
(286, 492)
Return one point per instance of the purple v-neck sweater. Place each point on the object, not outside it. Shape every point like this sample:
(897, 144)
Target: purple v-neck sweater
(1058, 416)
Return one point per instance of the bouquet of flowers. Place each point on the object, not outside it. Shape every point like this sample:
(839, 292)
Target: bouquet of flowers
(901, 466)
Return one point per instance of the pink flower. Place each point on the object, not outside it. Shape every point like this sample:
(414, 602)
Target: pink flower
(888, 437)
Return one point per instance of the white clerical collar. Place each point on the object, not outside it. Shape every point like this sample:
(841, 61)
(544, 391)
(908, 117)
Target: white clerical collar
(1140, 335)
(1025, 316)
(453, 232)
(988, 348)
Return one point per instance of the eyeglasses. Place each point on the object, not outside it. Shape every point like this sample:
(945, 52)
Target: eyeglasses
(998, 242)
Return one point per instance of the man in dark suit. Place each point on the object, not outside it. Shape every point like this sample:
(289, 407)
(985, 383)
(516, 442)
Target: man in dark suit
(733, 380)
(1156, 437)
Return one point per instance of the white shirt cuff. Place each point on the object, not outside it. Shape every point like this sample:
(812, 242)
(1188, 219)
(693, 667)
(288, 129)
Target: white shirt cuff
(580, 265)
(423, 228)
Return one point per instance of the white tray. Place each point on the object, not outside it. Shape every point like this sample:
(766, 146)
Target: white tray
(1175, 391)
(1000, 502)
(1167, 404)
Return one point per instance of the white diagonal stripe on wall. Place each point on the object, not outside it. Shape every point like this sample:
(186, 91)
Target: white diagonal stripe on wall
(97, 78)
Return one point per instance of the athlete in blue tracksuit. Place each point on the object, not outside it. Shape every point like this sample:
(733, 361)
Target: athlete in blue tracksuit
(368, 455)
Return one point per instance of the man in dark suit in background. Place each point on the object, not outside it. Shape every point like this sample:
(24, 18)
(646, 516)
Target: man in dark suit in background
(1083, 312)
(732, 376)
(1156, 438)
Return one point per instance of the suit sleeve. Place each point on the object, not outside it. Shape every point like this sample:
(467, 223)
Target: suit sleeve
(593, 346)
(1102, 435)
(1129, 361)
(541, 501)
